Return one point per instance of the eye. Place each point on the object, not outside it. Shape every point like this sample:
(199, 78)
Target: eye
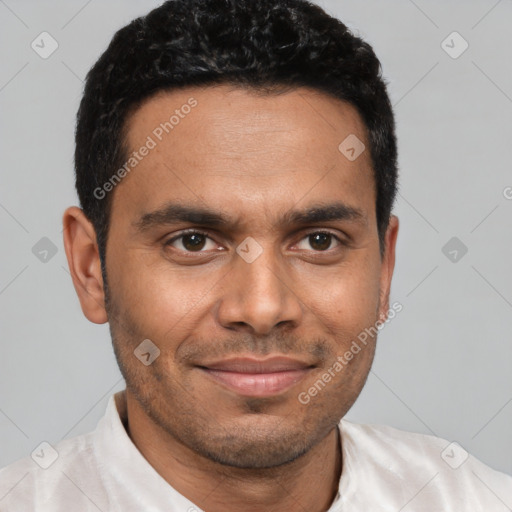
(190, 241)
(321, 240)
(197, 241)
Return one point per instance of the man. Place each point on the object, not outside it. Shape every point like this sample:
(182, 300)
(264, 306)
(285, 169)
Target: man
(236, 169)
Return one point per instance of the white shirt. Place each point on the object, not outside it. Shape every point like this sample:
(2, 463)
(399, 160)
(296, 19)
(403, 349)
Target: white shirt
(383, 469)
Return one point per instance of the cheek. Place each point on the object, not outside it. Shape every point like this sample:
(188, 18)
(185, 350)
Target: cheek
(159, 299)
(348, 300)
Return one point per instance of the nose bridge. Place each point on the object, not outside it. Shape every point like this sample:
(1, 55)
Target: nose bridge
(258, 293)
(265, 274)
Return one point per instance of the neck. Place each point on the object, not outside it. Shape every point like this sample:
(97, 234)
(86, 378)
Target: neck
(307, 483)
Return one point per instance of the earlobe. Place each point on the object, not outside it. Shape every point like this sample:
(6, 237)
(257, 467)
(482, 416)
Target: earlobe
(388, 265)
(84, 263)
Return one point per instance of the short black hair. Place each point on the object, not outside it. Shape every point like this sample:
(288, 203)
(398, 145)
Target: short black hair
(262, 45)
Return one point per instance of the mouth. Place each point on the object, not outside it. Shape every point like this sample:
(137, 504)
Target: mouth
(253, 377)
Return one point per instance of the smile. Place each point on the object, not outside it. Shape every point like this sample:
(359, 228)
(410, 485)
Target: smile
(257, 378)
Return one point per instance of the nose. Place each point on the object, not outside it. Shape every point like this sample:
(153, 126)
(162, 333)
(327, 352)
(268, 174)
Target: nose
(258, 297)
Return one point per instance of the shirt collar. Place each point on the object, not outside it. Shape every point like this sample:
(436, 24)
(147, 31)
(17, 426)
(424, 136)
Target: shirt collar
(130, 480)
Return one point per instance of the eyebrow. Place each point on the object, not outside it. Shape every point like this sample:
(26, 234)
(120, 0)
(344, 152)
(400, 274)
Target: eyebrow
(173, 213)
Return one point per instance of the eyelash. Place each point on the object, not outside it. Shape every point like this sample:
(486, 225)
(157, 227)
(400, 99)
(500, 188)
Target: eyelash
(199, 232)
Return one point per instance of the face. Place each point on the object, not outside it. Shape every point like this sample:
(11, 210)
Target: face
(244, 246)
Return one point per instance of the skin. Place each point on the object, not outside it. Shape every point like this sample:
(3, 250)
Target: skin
(253, 158)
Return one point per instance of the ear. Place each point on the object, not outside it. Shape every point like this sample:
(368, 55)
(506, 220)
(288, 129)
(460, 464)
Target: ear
(84, 263)
(387, 266)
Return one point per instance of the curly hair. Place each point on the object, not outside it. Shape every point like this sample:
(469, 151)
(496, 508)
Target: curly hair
(268, 46)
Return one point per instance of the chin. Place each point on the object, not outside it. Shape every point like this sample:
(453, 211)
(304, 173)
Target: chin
(256, 452)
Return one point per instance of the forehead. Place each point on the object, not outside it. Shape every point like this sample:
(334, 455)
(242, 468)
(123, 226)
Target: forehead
(233, 149)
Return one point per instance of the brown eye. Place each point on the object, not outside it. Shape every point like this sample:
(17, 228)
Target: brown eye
(320, 241)
(193, 241)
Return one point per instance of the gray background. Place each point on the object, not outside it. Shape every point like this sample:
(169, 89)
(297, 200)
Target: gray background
(443, 365)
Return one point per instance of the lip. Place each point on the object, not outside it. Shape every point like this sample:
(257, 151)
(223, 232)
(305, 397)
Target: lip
(249, 376)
